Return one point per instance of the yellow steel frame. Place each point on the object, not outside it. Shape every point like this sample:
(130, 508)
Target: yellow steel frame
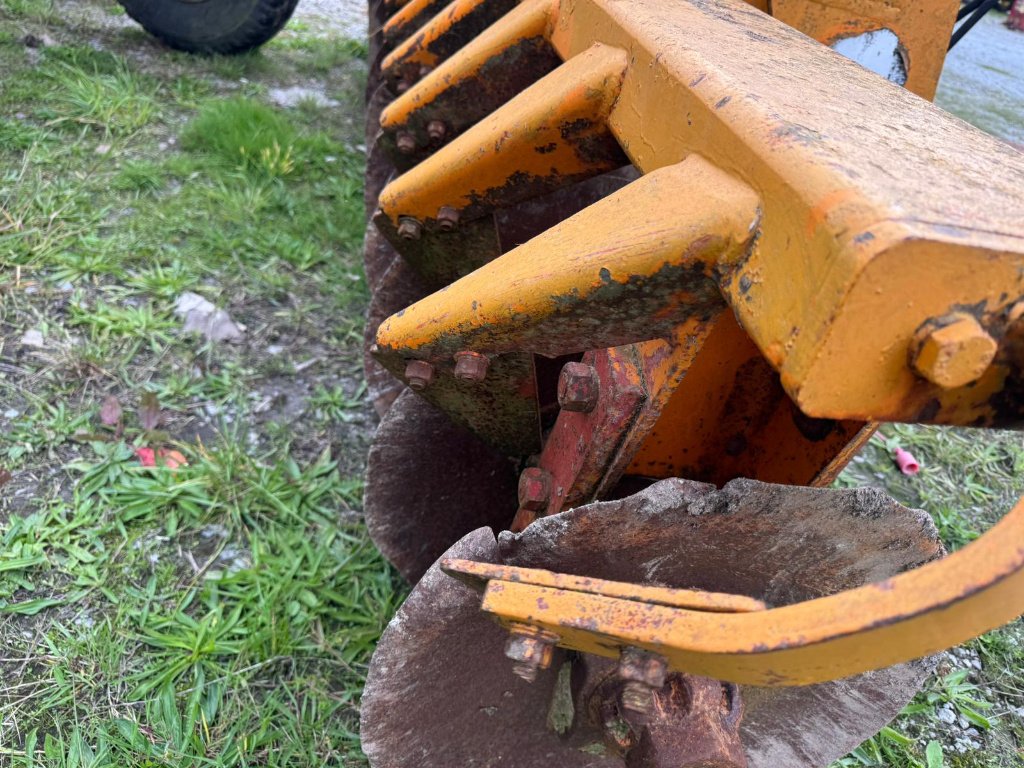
(876, 265)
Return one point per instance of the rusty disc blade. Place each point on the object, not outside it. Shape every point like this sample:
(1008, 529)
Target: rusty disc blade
(440, 691)
(395, 289)
(429, 482)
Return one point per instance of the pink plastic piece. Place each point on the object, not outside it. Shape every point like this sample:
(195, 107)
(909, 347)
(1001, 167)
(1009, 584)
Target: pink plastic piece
(906, 462)
(147, 456)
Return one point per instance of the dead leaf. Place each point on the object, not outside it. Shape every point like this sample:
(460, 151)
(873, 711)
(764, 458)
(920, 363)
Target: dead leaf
(5, 477)
(149, 411)
(110, 411)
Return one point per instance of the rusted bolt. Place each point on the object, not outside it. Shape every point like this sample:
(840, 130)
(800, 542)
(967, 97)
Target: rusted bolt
(409, 228)
(471, 366)
(534, 489)
(437, 130)
(578, 387)
(447, 218)
(952, 351)
(405, 142)
(531, 649)
(643, 673)
(419, 374)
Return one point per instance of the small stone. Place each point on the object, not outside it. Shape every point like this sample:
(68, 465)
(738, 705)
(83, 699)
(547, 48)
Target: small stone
(33, 338)
(274, 349)
(12, 413)
(296, 94)
(202, 316)
(946, 714)
(102, 149)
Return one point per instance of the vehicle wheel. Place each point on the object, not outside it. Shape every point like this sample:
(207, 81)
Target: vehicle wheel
(211, 26)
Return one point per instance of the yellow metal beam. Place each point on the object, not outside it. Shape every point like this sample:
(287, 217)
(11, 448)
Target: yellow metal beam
(638, 261)
(917, 613)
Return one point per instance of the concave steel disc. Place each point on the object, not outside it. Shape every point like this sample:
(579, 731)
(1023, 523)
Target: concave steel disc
(429, 482)
(441, 692)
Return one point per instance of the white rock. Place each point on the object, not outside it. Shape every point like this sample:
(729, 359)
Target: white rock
(33, 338)
(946, 714)
(203, 317)
(296, 94)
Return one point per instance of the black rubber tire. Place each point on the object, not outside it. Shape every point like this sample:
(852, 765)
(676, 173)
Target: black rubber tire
(211, 26)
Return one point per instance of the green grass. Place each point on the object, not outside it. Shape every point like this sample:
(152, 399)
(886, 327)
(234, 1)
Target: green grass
(221, 613)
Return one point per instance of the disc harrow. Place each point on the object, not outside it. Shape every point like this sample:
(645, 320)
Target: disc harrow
(626, 253)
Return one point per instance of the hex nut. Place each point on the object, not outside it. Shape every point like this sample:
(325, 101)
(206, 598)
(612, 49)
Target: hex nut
(643, 673)
(578, 388)
(409, 228)
(534, 489)
(447, 218)
(531, 649)
(419, 374)
(952, 351)
(437, 130)
(406, 143)
(471, 366)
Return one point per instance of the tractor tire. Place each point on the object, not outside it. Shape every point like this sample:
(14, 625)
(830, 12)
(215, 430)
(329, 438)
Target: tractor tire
(211, 26)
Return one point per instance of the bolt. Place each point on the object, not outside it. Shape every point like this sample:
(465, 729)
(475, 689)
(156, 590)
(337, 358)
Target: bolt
(643, 673)
(471, 366)
(531, 649)
(437, 130)
(534, 489)
(578, 388)
(952, 351)
(409, 228)
(405, 142)
(447, 218)
(419, 374)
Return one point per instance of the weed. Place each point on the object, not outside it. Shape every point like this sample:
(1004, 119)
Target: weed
(242, 131)
(111, 99)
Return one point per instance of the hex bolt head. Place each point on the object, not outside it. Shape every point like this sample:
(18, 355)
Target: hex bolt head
(405, 142)
(409, 228)
(952, 351)
(578, 388)
(531, 649)
(419, 374)
(643, 673)
(447, 218)
(471, 366)
(534, 489)
(437, 130)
